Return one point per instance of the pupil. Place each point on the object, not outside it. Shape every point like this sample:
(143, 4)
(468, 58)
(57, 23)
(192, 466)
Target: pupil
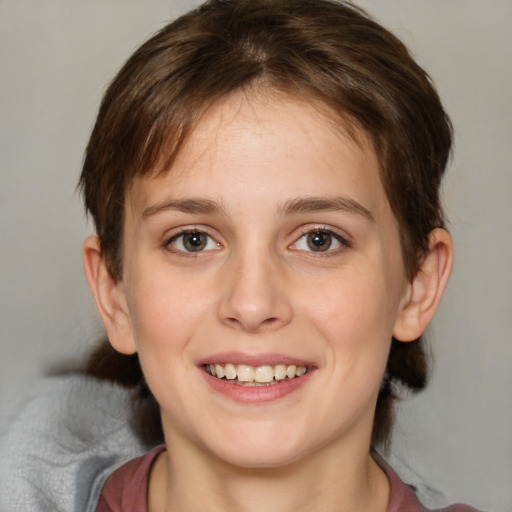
(319, 241)
(195, 241)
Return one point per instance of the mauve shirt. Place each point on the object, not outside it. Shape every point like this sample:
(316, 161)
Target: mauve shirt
(126, 489)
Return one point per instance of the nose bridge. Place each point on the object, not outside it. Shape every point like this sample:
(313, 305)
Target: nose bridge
(254, 296)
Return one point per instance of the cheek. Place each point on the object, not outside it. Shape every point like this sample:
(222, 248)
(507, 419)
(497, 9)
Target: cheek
(356, 322)
(164, 310)
(165, 315)
(356, 303)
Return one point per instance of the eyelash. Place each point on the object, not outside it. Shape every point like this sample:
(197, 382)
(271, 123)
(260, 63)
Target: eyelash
(190, 231)
(324, 231)
(335, 237)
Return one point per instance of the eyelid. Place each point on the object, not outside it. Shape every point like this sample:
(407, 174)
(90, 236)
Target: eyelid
(184, 230)
(337, 234)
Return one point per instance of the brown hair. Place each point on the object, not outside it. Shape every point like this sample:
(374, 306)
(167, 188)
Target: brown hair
(324, 50)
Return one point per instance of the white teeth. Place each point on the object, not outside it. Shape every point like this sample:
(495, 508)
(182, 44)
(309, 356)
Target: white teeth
(300, 371)
(219, 371)
(229, 371)
(290, 371)
(280, 372)
(245, 373)
(264, 374)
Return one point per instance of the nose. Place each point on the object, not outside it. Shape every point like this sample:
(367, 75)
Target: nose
(254, 294)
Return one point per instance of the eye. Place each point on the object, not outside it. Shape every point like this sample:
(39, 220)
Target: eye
(319, 240)
(193, 241)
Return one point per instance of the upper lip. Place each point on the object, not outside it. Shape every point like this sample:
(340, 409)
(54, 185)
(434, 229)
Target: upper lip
(254, 359)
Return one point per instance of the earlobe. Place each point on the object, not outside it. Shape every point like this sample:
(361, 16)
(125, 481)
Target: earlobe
(426, 289)
(108, 296)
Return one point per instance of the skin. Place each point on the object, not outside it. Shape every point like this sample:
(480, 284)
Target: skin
(258, 290)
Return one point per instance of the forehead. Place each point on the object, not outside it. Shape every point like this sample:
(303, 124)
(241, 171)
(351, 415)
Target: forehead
(268, 143)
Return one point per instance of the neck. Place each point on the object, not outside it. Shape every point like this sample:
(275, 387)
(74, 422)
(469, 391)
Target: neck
(326, 481)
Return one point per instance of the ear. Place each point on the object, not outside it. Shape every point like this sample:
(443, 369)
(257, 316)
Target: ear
(426, 289)
(109, 297)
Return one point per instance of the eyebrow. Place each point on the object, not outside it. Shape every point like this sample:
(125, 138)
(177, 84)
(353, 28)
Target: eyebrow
(293, 206)
(314, 204)
(189, 205)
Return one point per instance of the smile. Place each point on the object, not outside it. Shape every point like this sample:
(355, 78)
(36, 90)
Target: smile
(264, 375)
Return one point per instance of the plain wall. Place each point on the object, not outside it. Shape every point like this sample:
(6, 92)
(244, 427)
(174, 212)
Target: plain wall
(56, 58)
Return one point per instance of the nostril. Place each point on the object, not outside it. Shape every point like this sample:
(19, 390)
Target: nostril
(257, 326)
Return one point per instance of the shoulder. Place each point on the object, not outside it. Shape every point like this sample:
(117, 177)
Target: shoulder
(412, 498)
(126, 489)
(64, 439)
(458, 507)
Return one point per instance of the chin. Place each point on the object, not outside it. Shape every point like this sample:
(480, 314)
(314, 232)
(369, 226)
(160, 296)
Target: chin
(262, 450)
(259, 458)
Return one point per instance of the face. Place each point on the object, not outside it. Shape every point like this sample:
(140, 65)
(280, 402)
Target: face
(262, 282)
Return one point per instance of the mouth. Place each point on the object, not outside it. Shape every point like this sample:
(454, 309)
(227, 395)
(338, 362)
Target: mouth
(255, 376)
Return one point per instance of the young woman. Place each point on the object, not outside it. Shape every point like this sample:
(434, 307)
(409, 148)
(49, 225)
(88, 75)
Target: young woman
(264, 181)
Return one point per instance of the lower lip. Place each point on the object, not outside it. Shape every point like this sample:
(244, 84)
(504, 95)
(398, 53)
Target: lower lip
(256, 394)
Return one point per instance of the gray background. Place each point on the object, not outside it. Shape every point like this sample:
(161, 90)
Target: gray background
(56, 57)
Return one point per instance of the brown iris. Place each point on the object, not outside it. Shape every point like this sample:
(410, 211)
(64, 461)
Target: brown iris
(319, 241)
(195, 241)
